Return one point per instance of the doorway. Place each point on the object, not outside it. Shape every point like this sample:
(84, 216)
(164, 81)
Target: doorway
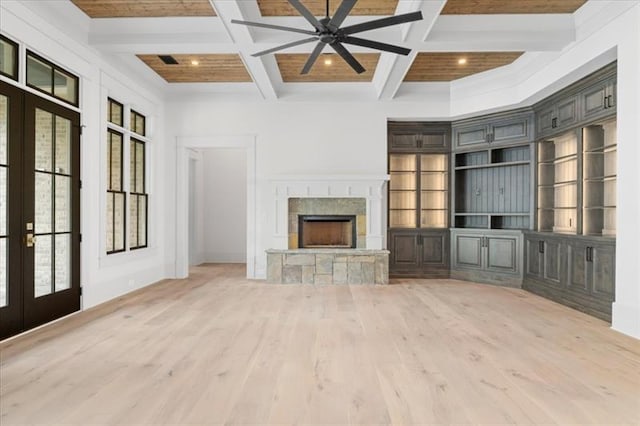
(218, 205)
(39, 211)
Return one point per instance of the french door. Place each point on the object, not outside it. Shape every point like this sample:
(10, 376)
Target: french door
(39, 211)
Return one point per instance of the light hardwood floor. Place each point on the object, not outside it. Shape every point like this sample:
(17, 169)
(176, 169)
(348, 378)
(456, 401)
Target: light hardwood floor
(217, 348)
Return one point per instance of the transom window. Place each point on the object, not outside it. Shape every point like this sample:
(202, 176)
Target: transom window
(51, 79)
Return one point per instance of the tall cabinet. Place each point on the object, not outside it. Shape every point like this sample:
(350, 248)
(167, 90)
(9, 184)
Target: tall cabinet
(570, 258)
(418, 238)
(493, 196)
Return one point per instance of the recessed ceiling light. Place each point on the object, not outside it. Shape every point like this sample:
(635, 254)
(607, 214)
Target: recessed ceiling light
(328, 61)
(462, 61)
(195, 62)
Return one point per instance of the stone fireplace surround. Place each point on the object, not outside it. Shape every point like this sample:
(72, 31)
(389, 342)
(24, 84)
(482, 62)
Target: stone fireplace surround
(367, 264)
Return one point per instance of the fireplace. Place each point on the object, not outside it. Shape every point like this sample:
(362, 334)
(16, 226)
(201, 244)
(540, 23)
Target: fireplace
(327, 231)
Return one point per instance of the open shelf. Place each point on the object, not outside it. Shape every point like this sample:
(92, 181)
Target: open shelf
(599, 179)
(418, 190)
(558, 184)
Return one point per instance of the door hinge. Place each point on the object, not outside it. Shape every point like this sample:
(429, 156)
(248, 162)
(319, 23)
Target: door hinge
(80, 183)
(80, 290)
(80, 237)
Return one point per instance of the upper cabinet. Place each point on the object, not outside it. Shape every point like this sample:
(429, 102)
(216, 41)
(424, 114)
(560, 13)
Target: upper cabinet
(591, 98)
(599, 100)
(514, 127)
(419, 137)
(557, 115)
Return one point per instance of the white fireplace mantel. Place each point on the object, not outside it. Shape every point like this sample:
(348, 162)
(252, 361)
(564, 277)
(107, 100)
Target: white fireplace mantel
(369, 187)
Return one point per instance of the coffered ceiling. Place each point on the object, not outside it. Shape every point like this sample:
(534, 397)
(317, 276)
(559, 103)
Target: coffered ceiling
(487, 34)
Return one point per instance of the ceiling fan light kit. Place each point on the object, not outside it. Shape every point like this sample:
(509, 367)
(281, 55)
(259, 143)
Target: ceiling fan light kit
(328, 31)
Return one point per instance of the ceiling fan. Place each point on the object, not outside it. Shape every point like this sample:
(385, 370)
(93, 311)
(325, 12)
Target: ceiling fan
(328, 31)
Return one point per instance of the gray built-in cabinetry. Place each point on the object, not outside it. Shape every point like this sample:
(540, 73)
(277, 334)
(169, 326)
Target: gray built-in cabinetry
(491, 256)
(418, 237)
(571, 259)
(492, 197)
(548, 171)
(573, 270)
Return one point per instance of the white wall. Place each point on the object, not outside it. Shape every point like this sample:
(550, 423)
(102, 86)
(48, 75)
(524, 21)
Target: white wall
(102, 277)
(224, 203)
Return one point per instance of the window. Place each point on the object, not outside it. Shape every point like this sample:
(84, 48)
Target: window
(8, 58)
(137, 124)
(137, 196)
(115, 194)
(131, 162)
(51, 79)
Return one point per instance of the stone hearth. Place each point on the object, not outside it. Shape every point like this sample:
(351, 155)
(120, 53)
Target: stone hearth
(328, 266)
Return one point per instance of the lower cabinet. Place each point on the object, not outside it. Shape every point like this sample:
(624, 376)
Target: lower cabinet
(419, 253)
(573, 270)
(490, 256)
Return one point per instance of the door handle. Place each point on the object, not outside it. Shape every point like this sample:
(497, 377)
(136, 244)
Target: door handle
(30, 240)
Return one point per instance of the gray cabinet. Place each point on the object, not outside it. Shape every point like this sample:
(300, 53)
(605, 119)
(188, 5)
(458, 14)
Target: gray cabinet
(419, 253)
(576, 271)
(557, 116)
(599, 99)
(497, 129)
(418, 137)
(487, 256)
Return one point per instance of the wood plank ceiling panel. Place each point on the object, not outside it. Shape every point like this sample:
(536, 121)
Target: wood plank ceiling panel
(444, 66)
(211, 68)
(290, 65)
(319, 7)
(144, 8)
(496, 7)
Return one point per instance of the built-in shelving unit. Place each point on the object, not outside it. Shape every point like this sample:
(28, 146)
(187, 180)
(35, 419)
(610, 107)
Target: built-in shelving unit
(418, 204)
(492, 188)
(418, 180)
(599, 179)
(557, 184)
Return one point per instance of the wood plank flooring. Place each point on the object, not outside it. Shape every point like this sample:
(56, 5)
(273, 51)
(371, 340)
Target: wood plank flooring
(216, 348)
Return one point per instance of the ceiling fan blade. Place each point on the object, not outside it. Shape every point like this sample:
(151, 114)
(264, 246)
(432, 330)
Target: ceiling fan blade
(306, 14)
(383, 22)
(343, 11)
(313, 57)
(272, 27)
(375, 45)
(284, 46)
(348, 57)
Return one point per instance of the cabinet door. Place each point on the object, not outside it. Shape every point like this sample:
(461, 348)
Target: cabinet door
(434, 140)
(577, 264)
(467, 251)
(545, 119)
(472, 135)
(405, 254)
(512, 130)
(434, 249)
(604, 267)
(594, 101)
(534, 259)
(552, 262)
(567, 113)
(403, 140)
(502, 254)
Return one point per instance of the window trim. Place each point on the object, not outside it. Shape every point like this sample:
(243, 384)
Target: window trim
(54, 68)
(16, 64)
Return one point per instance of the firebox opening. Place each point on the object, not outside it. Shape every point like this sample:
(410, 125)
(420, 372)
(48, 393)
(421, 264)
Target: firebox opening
(326, 231)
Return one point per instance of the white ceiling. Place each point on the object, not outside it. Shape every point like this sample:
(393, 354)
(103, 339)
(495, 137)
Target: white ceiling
(122, 38)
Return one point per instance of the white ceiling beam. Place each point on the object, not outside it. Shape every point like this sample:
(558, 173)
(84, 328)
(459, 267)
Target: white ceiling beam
(262, 75)
(392, 68)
